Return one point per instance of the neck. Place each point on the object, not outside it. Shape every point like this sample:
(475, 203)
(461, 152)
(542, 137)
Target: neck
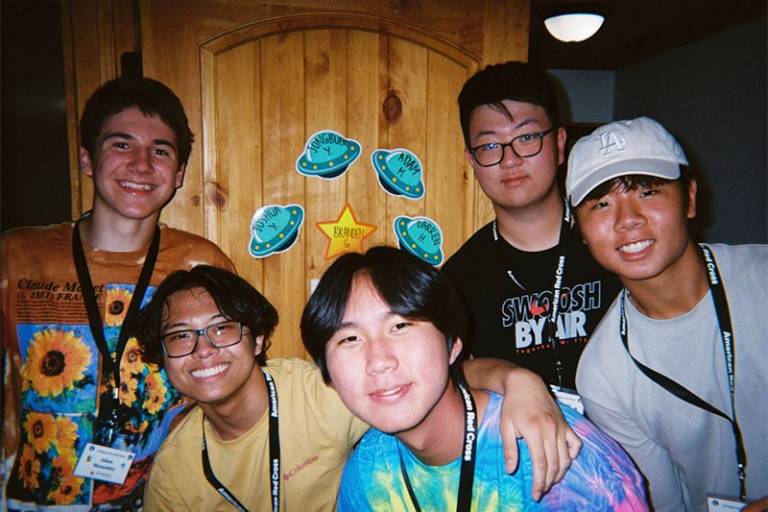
(439, 438)
(236, 415)
(675, 291)
(535, 227)
(117, 234)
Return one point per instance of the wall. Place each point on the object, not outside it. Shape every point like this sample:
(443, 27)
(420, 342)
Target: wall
(712, 95)
(585, 96)
(35, 170)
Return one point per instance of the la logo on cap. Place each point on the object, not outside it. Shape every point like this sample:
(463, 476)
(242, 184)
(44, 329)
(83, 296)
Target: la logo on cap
(610, 142)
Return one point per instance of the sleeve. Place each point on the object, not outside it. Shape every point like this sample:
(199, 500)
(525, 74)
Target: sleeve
(160, 493)
(352, 497)
(665, 482)
(602, 478)
(328, 406)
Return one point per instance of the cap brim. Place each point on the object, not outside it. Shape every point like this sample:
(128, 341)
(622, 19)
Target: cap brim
(645, 166)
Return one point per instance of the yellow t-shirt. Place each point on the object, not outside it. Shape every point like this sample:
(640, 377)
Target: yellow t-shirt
(317, 434)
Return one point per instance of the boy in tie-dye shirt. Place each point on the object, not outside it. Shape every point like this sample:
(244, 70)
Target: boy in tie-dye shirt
(388, 330)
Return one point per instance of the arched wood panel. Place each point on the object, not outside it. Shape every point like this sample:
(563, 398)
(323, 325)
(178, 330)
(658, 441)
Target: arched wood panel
(270, 86)
(258, 77)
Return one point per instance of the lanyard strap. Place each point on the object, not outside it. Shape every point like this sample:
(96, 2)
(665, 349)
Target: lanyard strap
(722, 311)
(274, 455)
(559, 275)
(107, 419)
(468, 457)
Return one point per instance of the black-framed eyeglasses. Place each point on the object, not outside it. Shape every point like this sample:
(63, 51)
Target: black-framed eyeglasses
(184, 342)
(524, 146)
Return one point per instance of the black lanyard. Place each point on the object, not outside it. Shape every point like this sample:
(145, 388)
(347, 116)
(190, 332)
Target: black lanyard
(559, 276)
(274, 455)
(107, 420)
(468, 456)
(722, 311)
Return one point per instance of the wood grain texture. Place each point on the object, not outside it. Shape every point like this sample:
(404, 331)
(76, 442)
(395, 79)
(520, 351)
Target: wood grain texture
(258, 78)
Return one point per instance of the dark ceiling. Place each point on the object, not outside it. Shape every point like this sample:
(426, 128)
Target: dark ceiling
(635, 30)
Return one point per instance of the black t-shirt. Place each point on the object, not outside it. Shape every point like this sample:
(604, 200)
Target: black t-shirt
(508, 295)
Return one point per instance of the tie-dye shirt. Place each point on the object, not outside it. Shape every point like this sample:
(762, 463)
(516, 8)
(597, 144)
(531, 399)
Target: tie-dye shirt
(601, 478)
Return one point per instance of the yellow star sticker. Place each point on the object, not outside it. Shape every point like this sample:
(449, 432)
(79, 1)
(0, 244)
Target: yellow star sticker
(345, 234)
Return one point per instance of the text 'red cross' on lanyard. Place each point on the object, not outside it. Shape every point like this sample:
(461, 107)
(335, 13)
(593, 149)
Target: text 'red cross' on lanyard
(722, 311)
(274, 455)
(468, 456)
(559, 277)
(107, 419)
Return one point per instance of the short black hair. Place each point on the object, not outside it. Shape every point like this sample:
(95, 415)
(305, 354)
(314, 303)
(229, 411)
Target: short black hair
(235, 297)
(517, 81)
(153, 98)
(410, 287)
(630, 182)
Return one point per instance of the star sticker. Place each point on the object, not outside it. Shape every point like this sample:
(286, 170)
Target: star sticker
(345, 234)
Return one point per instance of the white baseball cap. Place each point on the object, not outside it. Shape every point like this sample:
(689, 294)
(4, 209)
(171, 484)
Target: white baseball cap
(635, 146)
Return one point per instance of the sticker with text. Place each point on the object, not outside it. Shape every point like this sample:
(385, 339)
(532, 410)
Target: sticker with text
(400, 172)
(421, 236)
(274, 229)
(345, 234)
(327, 154)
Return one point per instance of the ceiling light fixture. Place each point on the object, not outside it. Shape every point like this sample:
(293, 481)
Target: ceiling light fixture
(574, 27)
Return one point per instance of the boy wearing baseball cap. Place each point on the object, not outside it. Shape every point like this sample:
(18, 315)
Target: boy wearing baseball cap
(676, 370)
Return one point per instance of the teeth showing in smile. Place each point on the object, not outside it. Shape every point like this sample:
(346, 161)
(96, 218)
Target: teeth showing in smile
(636, 246)
(136, 186)
(209, 372)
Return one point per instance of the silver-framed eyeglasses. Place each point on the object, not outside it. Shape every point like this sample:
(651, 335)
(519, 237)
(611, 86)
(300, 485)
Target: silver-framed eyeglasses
(184, 342)
(524, 146)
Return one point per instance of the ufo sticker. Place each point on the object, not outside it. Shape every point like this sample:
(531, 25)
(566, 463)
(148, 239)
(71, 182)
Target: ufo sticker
(421, 236)
(274, 229)
(327, 154)
(399, 172)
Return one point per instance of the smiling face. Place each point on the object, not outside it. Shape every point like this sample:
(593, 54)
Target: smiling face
(209, 375)
(639, 234)
(516, 182)
(389, 371)
(135, 166)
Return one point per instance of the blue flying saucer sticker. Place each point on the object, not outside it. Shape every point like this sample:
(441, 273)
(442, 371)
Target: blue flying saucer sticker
(421, 236)
(400, 172)
(274, 229)
(327, 154)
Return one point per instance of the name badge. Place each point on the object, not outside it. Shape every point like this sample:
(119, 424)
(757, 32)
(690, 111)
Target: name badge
(720, 504)
(569, 397)
(104, 463)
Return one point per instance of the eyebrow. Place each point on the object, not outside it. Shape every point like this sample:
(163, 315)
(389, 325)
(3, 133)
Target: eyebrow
(521, 124)
(128, 136)
(185, 326)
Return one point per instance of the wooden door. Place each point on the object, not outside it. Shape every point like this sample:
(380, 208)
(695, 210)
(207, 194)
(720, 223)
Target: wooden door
(258, 79)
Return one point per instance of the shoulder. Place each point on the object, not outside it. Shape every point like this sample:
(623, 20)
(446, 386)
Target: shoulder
(34, 235)
(185, 436)
(603, 462)
(375, 448)
(468, 252)
(741, 260)
(191, 249)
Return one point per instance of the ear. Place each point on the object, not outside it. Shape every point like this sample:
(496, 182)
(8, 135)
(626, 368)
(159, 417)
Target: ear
(562, 136)
(692, 188)
(180, 175)
(86, 165)
(258, 345)
(455, 351)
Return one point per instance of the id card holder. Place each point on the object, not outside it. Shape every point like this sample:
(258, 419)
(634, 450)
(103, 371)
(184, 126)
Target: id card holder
(104, 463)
(569, 397)
(720, 504)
